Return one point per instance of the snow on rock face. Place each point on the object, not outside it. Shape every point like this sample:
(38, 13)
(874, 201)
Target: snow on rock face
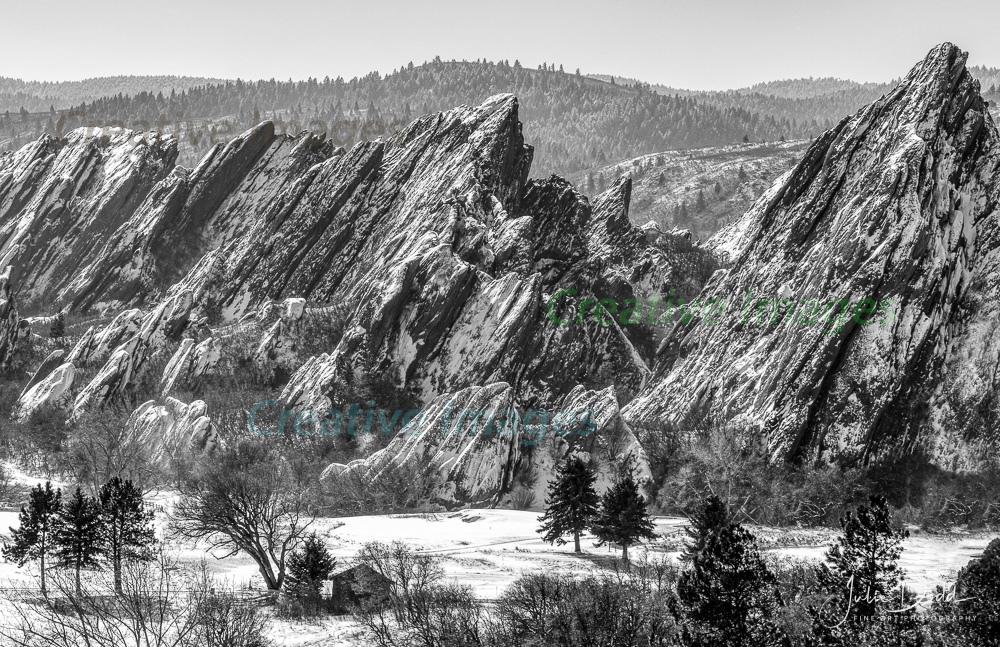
(53, 390)
(173, 428)
(435, 248)
(897, 204)
(294, 308)
(95, 346)
(57, 199)
(128, 359)
(468, 443)
(107, 382)
(49, 364)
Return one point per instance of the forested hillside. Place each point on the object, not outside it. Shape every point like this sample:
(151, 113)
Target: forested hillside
(574, 122)
(821, 100)
(39, 96)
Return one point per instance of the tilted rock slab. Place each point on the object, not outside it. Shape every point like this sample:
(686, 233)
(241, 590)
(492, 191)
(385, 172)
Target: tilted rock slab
(898, 204)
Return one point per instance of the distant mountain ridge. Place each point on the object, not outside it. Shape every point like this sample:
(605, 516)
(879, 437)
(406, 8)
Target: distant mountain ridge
(576, 122)
(39, 96)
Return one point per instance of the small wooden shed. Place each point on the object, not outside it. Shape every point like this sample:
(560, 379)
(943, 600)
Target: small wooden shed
(355, 583)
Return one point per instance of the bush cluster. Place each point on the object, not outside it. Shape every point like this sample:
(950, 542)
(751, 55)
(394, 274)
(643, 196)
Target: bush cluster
(726, 593)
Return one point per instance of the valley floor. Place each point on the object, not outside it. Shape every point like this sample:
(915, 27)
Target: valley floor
(489, 549)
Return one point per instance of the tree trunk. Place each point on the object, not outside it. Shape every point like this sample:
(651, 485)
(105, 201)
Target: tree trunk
(625, 552)
(576, 541)
(118, 574)
(273, 584)
(45, 593)
(78, 579)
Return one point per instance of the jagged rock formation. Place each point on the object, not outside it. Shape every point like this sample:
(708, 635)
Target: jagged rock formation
(173, 428)
(470, 444)
(10, 329)
(431, 259)
(190, 362)
(471, 458)
(58, 198)
(897, 204)
(53, 390)
(444, 250)
(151, 221)
(434, 248)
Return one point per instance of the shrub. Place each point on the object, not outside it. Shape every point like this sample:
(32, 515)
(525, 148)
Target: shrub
(622, 606)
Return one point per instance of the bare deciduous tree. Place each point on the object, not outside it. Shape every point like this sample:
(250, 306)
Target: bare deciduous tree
(242, 502)
(102, 446)
(157, 607)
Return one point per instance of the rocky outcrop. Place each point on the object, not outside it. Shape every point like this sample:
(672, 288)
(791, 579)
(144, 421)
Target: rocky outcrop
(468, 442)
(432, 254)
(54, 390)
(58, 198)
(10, 329)
(429, 261)
(896, 205)
(173, 428)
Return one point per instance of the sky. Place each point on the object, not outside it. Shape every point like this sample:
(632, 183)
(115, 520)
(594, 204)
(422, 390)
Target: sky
(695, 44)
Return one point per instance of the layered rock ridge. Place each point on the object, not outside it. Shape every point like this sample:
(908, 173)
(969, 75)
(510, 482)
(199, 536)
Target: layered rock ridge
(433, 248)
(897, 204)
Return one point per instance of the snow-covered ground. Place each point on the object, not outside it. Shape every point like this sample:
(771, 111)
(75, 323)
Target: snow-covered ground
(489, 549)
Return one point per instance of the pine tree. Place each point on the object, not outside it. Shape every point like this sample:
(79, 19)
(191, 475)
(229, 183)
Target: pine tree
(308, 566)
(863, 580)
(126, 526)
(58, 328)
(862, 565)
(33, 540)
(976, 599)
(623, 518)
(701, 205)
(571, 503)
(729, 595)
(77, 536)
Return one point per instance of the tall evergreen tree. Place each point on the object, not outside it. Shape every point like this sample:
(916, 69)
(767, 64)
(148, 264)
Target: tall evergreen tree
(863, 564)
(863, 580)
(571, 503)
(729, 595)
(126, 526)
(77, 536)
(308, 566)
(33, 539)
(623, 518)
(58, 328)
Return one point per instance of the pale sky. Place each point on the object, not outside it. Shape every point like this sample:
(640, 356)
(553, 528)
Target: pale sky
(696, 44)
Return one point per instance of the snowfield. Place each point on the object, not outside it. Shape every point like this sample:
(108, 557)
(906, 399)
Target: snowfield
(489, 549)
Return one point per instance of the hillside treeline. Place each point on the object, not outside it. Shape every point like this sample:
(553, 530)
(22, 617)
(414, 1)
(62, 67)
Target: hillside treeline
(574, 122)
